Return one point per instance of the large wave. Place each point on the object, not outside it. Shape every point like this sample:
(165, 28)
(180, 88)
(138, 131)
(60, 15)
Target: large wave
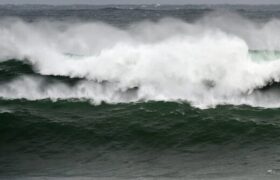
(219, 59)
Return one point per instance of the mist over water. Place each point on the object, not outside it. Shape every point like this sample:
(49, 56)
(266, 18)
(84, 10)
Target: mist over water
(139, 92)
(211, 61)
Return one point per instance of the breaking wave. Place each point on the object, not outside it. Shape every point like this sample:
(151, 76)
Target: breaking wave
(219, 59)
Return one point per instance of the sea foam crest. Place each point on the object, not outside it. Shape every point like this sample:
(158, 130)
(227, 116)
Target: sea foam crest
(205, 63)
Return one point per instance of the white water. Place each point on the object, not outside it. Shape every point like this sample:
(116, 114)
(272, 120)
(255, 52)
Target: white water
(205, 63)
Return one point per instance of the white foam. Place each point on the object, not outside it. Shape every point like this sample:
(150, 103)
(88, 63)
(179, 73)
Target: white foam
(205, 63)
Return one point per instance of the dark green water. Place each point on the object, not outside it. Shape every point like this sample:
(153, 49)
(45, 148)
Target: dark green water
(60, 122)
(153, 139)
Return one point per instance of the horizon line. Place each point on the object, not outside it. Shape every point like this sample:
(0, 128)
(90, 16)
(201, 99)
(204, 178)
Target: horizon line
(132, 4)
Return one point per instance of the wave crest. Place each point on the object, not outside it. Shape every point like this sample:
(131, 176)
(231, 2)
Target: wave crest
(205, 63)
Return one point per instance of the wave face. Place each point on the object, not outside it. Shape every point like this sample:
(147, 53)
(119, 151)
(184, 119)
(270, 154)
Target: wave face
(54, 140)
(214, 60)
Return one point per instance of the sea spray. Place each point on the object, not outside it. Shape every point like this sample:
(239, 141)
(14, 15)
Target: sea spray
(204, 63)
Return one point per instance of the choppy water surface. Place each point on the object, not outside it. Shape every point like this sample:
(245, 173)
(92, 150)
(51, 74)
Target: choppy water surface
(139, 92)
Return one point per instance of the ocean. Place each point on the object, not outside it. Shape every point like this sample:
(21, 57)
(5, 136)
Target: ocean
(140, 92)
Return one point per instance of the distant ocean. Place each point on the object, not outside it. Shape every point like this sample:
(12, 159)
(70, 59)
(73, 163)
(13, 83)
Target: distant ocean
(140, 92)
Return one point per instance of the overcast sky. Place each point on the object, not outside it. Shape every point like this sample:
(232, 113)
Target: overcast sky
(139, 1)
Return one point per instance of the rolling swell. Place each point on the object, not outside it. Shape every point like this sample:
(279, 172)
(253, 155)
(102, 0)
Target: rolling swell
(158, 139)
(153, 125)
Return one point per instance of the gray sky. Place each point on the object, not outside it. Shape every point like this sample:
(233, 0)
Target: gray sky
(139, 1)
